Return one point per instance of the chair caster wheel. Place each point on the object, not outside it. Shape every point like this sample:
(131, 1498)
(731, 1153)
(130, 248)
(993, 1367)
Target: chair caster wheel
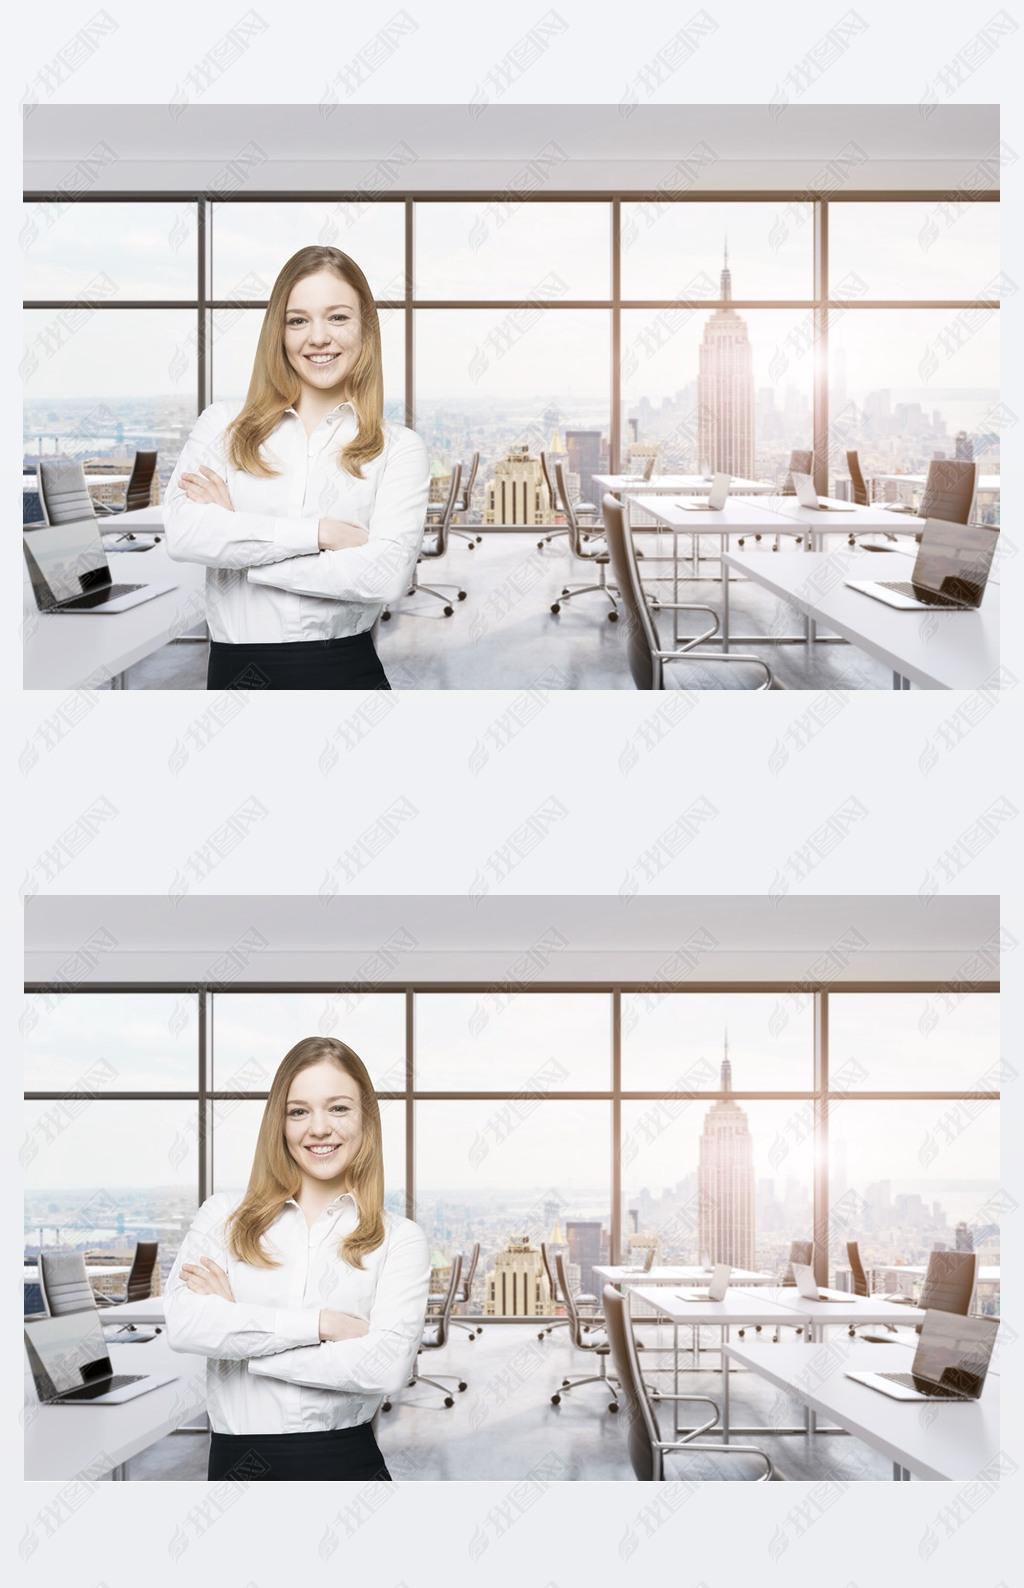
(462, 1387)
(448, 611)
(385, 617)
(385, 1406)
(565, 1383)
(613, 617)
(479, 540)
(555, 607)
(613, 1407)
(556, 1400)
(448, 1401)
(757, 537)
(471, 546)
(740, 541)
(565, 592)
(462, 595)
(541, 1335)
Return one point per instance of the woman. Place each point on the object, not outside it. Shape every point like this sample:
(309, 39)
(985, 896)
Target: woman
(307, 1296)
(307, 508)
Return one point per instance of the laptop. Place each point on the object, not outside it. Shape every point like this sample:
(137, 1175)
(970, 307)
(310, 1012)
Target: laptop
(951, 569)
(70, 573)
(70, 1365)
(950, 1362)
(644, 1267)
(807, 496)
(715, 1291)
(807, 1287)
(713, 502)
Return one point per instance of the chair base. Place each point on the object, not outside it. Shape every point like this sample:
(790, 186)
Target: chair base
(591, 1378)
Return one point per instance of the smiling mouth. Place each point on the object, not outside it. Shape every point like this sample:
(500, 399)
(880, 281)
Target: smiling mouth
(321, 358)
(324, 1152)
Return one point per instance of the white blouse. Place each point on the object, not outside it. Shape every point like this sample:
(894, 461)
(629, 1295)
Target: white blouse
(267, 581)
(269, 1373)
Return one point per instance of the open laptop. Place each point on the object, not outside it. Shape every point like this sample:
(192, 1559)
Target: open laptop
(715, 1291)
(807, 1287)
(951, 569)
(70, 573)
(713, 502)
(950, 1362)
(807, 496)
(70, 1365)
(641, 1268)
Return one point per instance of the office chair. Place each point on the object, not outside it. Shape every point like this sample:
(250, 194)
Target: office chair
(581, 548)
(647, 1448)
(548, 471)
(585, 1336)
(66, 1288)
(862, 1288)
(799, 1252)
(552, 1277)
(948, 1284)
(464, 1293)
(138, 1287)
(63, 491)
(860, 490)
(435, 1335)
(437, 548)
(948, 493)
(465, 501)
(645, 653)
(139, 487)
(799, 463)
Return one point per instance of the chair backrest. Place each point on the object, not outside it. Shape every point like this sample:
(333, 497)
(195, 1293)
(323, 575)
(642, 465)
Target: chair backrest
(799, 463)
(466, 1288)
(948, 490)
(443, 524)
(549, 480)
(860, 1278)
(466, 489)
(799, 1252)
(140, 1278)
(63, 491)
(949, 1282)
(643, 1433)
(141, 482)
(575, 533)
(66, 1286)
(443, 1318)
(550, 1271)
(641, 635)
(860, 490)
(575, 1321)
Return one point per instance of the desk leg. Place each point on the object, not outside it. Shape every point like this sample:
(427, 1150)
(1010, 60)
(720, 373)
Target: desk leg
(725, 1386)
(119, 680)
(725, 596)
(119, 1473)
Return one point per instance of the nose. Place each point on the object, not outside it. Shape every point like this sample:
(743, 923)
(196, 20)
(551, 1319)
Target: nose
(319, 335)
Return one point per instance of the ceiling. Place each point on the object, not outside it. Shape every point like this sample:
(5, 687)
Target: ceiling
(448, 148)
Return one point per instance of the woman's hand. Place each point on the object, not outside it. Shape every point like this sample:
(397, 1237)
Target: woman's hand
(335, 535)
(212, 489)
(341, 1326)
(207, 1280)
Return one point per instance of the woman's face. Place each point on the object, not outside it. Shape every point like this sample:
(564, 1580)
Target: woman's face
(323, 1124)
(322, 332)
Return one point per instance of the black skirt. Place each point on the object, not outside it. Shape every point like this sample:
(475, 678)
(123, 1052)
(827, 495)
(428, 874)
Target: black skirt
(349, 663)
(331, 1456)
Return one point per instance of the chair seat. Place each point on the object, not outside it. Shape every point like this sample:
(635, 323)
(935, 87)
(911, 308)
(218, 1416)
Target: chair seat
(679, 676)
(430, 1337)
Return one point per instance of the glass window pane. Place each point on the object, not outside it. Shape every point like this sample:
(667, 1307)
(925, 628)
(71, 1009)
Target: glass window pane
(103, 384)
(233, 347)
(523, 1042)
(116, 250)
(261, 237)
(676, 1042)
(914, 1042)
(908, 386)
(236, 1125)
(692, 1174)
(101, 1176)
(677, 250)
(252, 1032)
(929, 250)
(909, 1177)
(111, 1042)
(734, 390)
(504, 249)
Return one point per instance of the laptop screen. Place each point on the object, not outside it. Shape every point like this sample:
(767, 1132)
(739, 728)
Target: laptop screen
(803, 485)
(954, 1351)
(954, 559)
(68, 560)
(66, 1352)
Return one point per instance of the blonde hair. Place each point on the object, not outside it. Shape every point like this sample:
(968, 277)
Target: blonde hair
(275, 1176)
(274, 385)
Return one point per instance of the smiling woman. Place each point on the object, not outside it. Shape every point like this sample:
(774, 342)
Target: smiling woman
(306, 507)
(306, 1295)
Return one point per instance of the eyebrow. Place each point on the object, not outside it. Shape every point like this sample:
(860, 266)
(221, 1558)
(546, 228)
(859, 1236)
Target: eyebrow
(342, 1097)
(354, 308)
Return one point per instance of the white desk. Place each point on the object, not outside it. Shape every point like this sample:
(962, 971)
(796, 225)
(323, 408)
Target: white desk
(30, 482)
(933, 649)
(93, 1271)
(680, 1275)
(73, 651)
(72, 1441)
(845, 1309)
(674, 485)
(950, 1441)
(149, 1311)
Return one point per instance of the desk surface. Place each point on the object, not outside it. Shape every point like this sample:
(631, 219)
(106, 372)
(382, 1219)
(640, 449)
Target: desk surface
(30, 482)
(679, 1275)
(986, 482)
(845, 1309)
(93, 1271)
(739, 513)
(932, 1441)
(75, 651)
(935, 650)
(739, 1306)
(678, 484)
(68, 1441)
(151, 1310)
(988, 1274)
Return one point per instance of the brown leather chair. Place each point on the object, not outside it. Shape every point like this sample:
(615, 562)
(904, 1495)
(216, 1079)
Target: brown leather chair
(435, 1336)
(437, 547)
(586, 550)
(586, 1335)
(139, 487)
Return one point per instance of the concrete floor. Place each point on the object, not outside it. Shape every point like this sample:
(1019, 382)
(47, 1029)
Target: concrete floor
(504, 635)
(504, 1425)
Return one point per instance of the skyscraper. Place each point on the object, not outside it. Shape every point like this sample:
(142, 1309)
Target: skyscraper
(584, 449)
(517, 494)
(517, 1287)
(725, 390)
(584, 1239)
(725, 1180)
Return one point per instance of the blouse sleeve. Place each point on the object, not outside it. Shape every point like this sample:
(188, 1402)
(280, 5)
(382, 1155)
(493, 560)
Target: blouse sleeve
(228, 1330)
(381, 1361)
(379, 571)
(206, 533)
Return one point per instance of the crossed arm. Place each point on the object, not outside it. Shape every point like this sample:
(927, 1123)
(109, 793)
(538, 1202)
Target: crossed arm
(210, 489)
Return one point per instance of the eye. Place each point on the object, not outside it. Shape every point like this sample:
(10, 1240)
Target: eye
(296, 1113)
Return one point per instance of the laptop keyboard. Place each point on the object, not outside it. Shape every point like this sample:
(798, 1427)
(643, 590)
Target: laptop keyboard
(89, 1392)
(904, 587)
(908, 1381)
(98, 598)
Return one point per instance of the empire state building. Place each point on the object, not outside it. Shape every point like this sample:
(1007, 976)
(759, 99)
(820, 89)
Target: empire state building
(725, 1181)
(725, 390)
